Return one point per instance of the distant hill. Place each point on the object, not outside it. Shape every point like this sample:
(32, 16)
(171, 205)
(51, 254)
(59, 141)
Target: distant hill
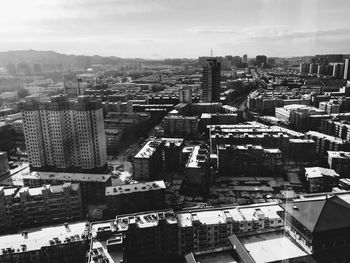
(50, 60)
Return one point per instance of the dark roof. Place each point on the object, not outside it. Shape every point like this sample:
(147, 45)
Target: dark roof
(320, 215)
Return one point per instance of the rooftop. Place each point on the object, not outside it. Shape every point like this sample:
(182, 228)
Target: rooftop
(325, 136)
(134, 188)
(271, 247)
(71, 177)
(339, 154)
(145, 219)
(315, 172)
(34, 239)
(148, 149)
(223, 215)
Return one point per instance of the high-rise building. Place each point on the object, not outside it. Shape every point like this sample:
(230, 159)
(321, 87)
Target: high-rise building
(211, 80)
(261, 60)
(338, 70)
(347, 69)
(65, 135)
(186, 94)
(313, 68)
(245, 59)
(304, 68)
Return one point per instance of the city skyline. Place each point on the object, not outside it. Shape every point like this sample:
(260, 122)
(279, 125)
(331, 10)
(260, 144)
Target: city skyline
(164, 29)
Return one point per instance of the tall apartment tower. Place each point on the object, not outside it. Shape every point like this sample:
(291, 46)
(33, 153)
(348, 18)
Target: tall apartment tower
(186, 94)
(211, 81)
(65, 135)
(347, 69)
(245, 59)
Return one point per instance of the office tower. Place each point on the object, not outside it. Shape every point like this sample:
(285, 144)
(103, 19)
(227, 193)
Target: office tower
(65, 135)
(211, 80)
(347, 69)
(261, 60)
(186, 94)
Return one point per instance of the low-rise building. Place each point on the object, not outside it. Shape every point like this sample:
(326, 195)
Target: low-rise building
(92, 185)
(320, 179)
(137, 197)
(180, 126)
(197, 170)
(27, 206)
(148, 161)
(64, 243)
(326, 142)
(340, 162)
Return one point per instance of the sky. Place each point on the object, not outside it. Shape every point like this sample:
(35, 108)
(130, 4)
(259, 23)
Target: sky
(156, 29)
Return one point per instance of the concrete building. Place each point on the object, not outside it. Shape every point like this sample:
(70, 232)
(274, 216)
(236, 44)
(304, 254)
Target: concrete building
(248, 160)
(92, 185)
(211, 80)
(301, 150)
(320, 179)
(28, 206)
(148, 161)
(261, 60)
(331, 107)
(308, 222)
(304, 68)
(58, 244)
(347, 69)
(326, 143)
(131, 198)
(340, 129)
(180, 126)
(197, 170)
(173, 157)
(65, 135)
(185, 94)
(340, 162)
(149, 236)
(207, 230)
(4, 164)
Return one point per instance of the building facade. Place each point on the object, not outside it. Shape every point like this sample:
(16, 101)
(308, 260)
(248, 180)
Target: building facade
(211, 80)
(65, 135)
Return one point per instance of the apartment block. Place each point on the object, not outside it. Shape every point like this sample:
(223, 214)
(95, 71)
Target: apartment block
(27, 206)
(326, 143)
(340, 162)
(137, 197)
(65, 135)
(148, 161)
(63, 243)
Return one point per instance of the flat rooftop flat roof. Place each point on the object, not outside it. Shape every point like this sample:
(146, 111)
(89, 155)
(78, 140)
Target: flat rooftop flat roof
(271, 247)
(325, 136)
(217, 257)
(134, 188)
(148, 149)
(222, 215)
(39, 237)
(72, 177)
(339, 154)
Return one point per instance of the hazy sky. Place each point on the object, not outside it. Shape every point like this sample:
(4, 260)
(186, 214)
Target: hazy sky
(176, 28)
